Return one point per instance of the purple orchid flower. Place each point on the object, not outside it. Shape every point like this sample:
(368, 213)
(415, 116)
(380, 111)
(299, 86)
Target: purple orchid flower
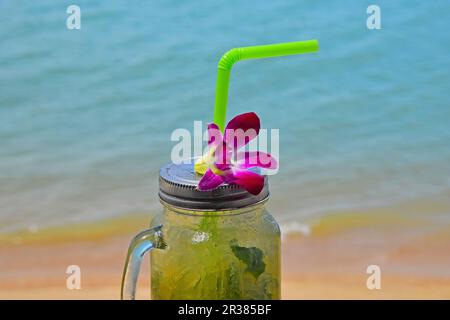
(226, 164)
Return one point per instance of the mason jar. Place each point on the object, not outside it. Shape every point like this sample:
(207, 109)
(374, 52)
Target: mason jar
(219, 244)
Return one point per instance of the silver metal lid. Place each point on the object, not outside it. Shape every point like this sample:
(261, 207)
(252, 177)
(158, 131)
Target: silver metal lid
(178, 187)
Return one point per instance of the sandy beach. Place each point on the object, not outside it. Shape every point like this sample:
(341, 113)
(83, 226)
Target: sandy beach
(323, 265)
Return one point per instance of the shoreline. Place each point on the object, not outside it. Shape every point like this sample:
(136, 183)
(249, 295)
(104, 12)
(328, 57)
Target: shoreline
(421, 214)
(329, 263)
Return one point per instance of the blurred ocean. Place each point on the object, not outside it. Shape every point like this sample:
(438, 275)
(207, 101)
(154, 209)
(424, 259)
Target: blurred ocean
(86, 116)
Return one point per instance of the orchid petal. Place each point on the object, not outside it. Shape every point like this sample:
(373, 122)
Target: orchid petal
(214, 140)
(242, 129)
(250, 159)
(222, 156)
(214, 135)
(201, 165)
(209, 181)
(228, 177)
(250, 181)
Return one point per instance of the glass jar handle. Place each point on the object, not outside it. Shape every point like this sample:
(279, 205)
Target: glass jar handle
(139, 246)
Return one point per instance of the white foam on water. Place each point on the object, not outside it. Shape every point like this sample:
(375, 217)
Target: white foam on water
(294, 227)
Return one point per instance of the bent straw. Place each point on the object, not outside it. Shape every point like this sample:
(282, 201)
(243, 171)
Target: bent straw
(254, 52)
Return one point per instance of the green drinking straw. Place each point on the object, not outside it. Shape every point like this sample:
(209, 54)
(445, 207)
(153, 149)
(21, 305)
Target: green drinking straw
(254, 52)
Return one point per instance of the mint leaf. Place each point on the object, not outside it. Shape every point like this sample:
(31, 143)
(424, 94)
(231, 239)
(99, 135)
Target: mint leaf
(252, 257)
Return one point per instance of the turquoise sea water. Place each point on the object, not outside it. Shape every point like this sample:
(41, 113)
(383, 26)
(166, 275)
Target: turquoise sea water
(86, 115)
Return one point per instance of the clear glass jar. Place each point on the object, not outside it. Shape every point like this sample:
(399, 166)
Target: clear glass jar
(224, 245)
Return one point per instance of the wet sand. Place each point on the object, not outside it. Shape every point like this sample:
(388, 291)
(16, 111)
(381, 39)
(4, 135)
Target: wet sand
(323, 265)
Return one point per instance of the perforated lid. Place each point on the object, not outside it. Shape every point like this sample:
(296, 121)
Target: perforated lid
(178, 187)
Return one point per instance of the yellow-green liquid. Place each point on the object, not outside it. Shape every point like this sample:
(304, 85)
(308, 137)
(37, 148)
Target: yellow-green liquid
(228, 255)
